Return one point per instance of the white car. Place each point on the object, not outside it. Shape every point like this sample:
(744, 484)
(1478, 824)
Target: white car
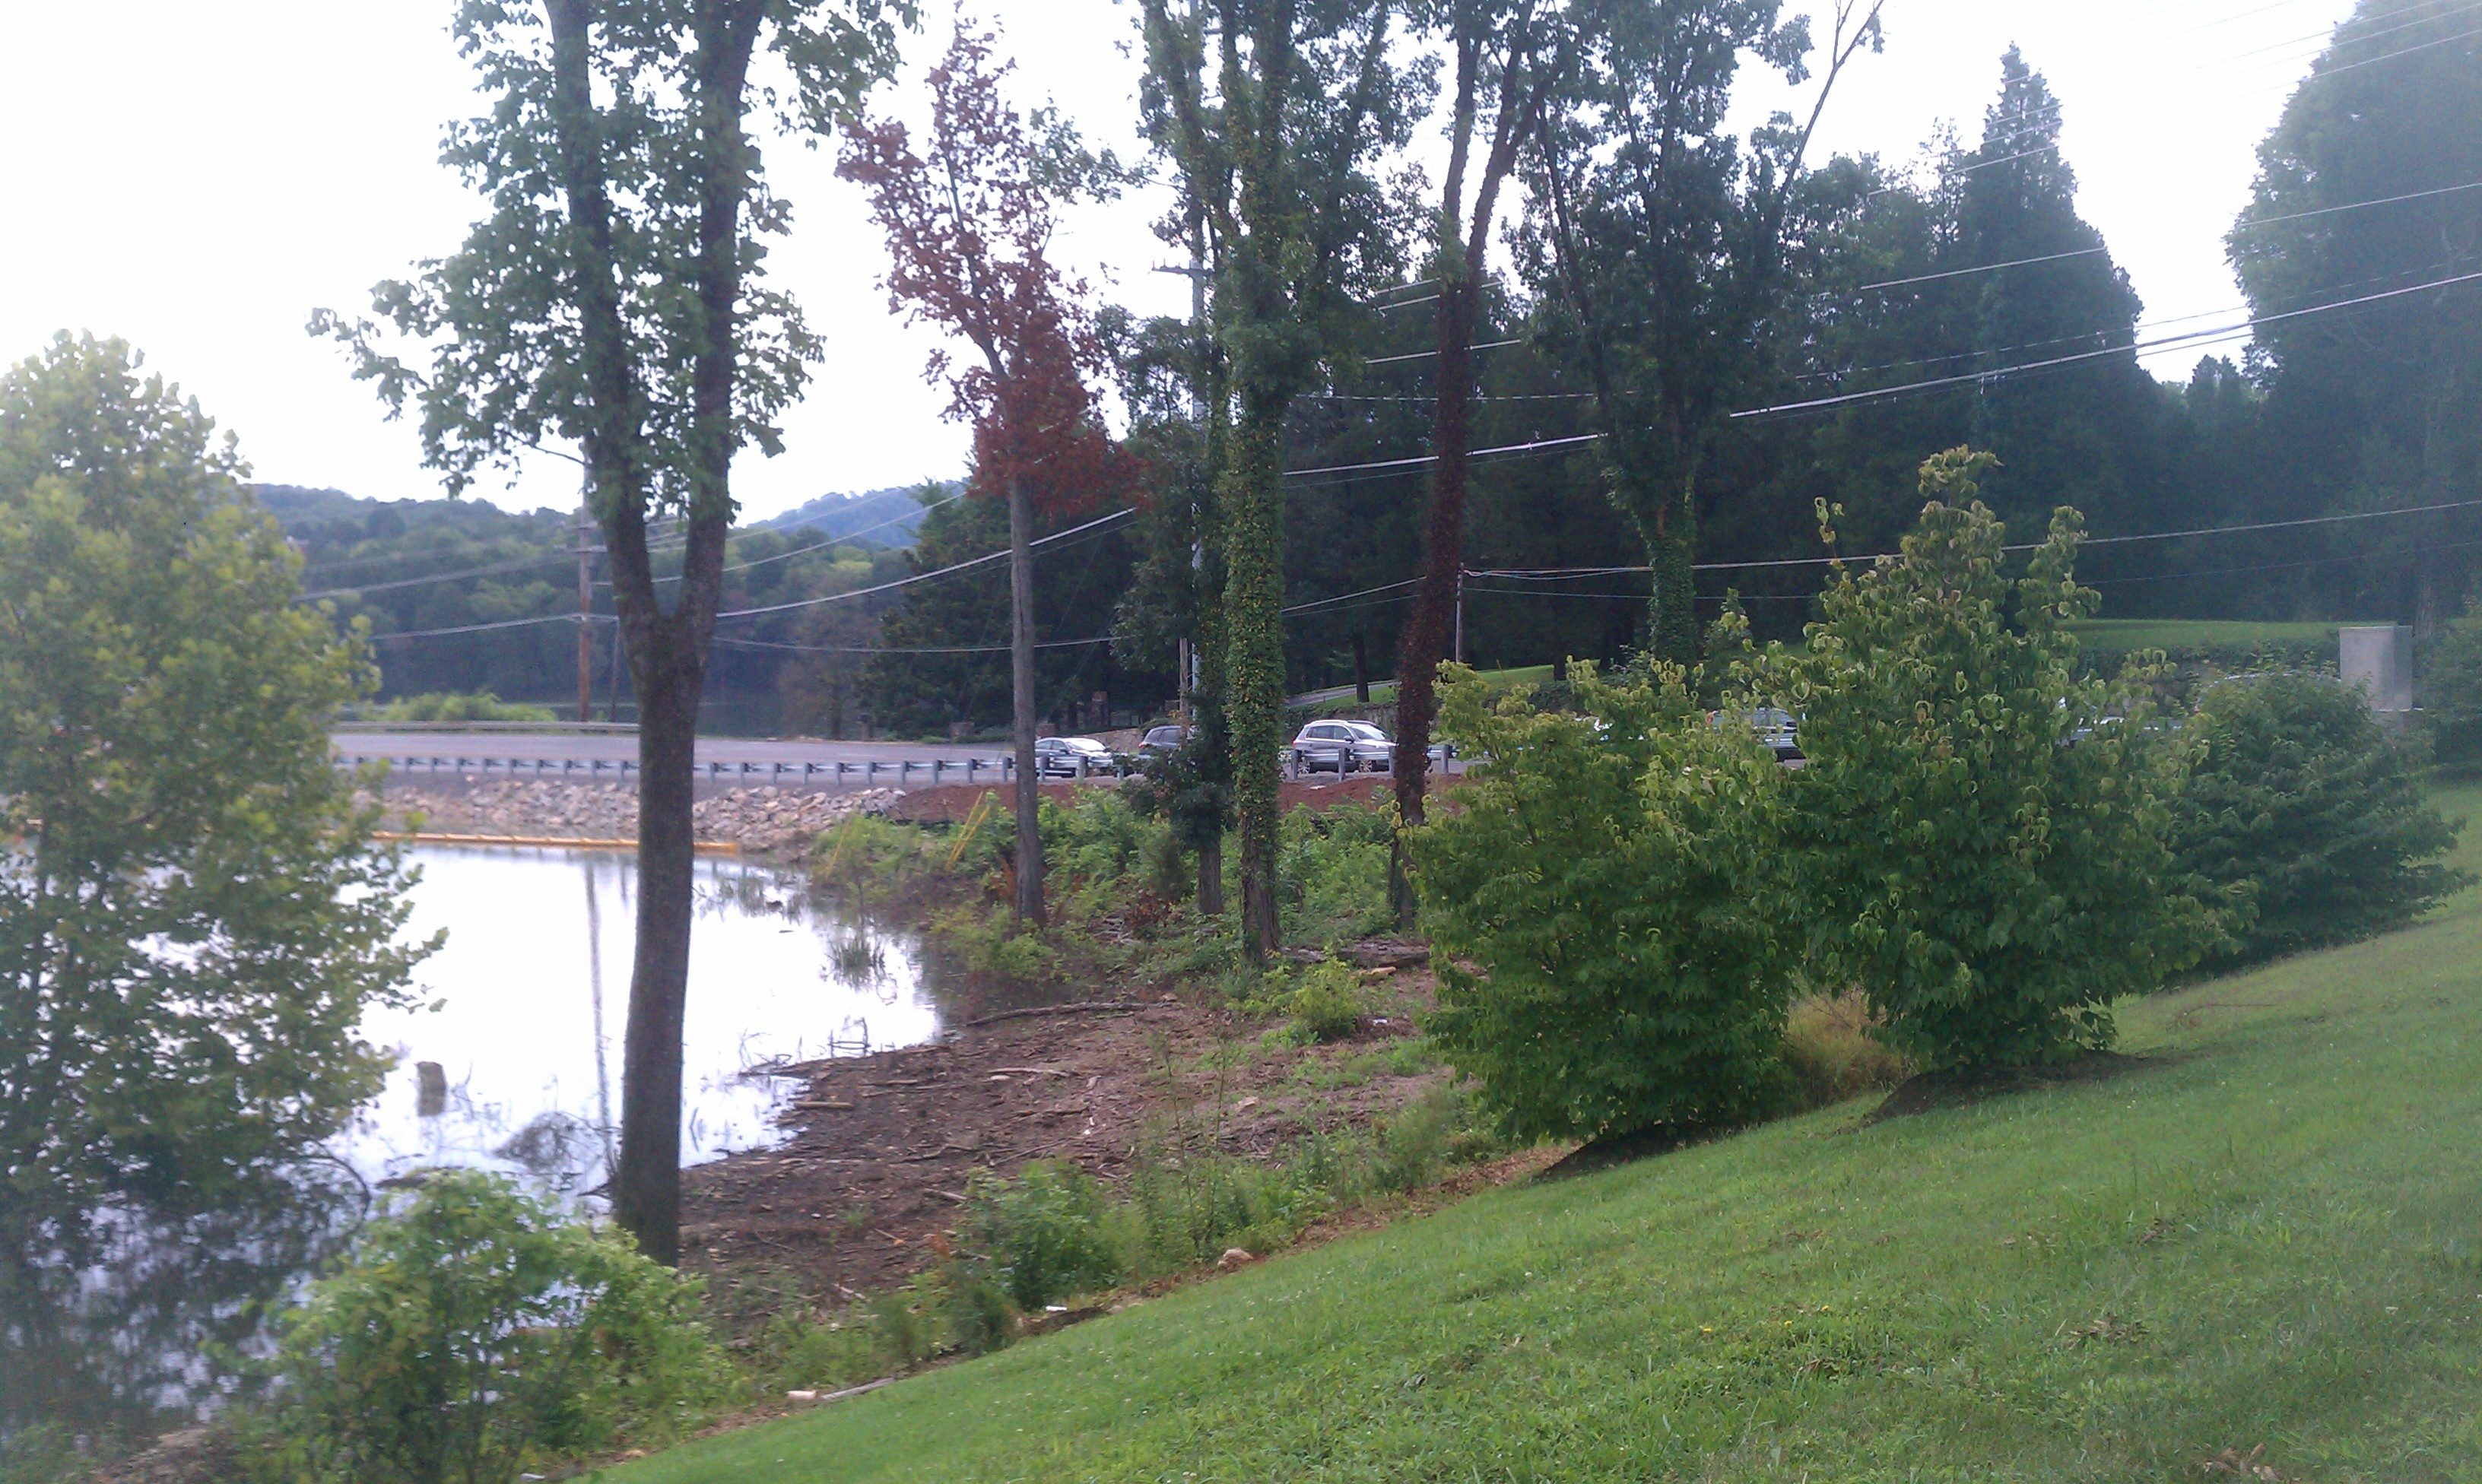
(1342, 747)
(1071, 757)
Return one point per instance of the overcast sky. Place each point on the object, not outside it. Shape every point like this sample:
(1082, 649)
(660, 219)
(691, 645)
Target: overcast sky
(197, 179)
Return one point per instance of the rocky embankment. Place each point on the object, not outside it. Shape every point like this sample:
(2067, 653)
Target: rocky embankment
(759, 819)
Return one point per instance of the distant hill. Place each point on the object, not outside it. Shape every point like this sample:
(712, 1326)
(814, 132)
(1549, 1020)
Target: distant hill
(882, 517)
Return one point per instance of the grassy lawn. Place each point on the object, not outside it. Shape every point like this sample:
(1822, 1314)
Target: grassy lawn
(2178, 634)
(2269, 1233)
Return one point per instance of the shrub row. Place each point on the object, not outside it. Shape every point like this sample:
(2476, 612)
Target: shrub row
(1983, 849)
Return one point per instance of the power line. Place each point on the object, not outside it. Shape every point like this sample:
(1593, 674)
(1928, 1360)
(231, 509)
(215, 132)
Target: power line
(1316, 604)
(1487, 345)
(2316, 73)
(2329, 211)
(921, 649)
(486, 628)
(923, 577)
(2194, 337)
(1986, 268)
(1539, 445)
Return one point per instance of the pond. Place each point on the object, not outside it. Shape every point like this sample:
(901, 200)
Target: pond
(510, 1059)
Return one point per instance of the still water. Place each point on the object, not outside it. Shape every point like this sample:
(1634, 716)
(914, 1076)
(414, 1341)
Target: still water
(508, 1059)
(519, 1019)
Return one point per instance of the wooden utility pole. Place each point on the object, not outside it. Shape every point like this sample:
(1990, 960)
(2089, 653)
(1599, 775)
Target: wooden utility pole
(585, 617)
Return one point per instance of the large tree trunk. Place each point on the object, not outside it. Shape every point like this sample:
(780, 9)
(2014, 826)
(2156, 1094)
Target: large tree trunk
(1029, 825)
(646, 1188)
(1253, 516)
(1426, 634)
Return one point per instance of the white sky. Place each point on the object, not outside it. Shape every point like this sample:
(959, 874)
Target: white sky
(197, 179)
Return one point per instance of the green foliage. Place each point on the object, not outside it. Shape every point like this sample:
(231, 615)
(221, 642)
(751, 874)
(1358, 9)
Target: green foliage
(1331, 872)
(1326, 1003)
(45, 1453)
(1979, 832)
(2303, 807)
(193, 920)
(1606, 880)
(1043, 1234)
(1863, 1292)
(2452, 686)
(474, 1333)
(452, 706)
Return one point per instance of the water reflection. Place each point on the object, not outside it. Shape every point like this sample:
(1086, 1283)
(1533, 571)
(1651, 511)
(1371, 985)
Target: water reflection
(143, 1334)
(509, 1061)
(513, 1062)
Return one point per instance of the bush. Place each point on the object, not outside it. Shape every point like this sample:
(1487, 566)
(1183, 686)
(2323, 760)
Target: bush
(1606, 879)
(1326, 1003)
(474, 1333)
(2452, 686)
(2307, 809)
(1833, 1052)
(1044, 1235)
(1980, 832)
(1331, 872)
(456, 706)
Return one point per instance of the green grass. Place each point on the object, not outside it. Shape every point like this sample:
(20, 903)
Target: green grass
(2178, 634)
(2269, 1233)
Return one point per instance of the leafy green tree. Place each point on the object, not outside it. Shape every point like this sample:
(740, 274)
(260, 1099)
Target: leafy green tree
(613, 300)
(2304, 809)
(2452, 686)
(1609, 881)
(1655, 243)
(2382, 402)
(1980, 831)
(473, 1333)
(1271, 111)
(193, 917)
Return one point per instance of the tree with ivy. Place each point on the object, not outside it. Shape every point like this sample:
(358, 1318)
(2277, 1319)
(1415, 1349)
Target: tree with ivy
(1654, 240)
(193, 918)
(615, 300)
(1273, 113)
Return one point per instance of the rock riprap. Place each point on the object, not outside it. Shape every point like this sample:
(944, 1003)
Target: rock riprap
(759, 819)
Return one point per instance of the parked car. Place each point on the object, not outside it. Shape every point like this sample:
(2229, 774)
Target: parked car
(1162, 742)
(1342, 747)
(1061, 757)
(1779, 729)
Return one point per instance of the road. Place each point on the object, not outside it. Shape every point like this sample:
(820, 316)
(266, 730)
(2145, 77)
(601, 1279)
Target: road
(611, 747)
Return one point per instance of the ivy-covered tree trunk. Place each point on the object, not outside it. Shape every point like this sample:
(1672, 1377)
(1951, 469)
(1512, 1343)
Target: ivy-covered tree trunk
(1029, 825)
(1251, 499)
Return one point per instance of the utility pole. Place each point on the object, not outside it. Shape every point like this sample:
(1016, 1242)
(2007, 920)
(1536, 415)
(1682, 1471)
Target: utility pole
(585, 618)
(1197, 275)
(1460, 618)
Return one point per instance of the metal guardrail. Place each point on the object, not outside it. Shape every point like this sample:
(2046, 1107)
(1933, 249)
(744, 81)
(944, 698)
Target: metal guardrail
(580, 728)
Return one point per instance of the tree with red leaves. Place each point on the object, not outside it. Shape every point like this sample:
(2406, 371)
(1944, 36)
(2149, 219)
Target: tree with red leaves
(969, 222)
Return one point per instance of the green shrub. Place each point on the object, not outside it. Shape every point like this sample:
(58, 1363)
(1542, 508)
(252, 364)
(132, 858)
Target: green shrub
(1326, 1003)
(2452, 687)
(474, 1333)
(1045, 1234)
(1980, 832)
(43, 1453)
(460, 706)
(1605, 881)
(1419, 1139)
(1192, 1201)
(1331, 872)
(2305, 804)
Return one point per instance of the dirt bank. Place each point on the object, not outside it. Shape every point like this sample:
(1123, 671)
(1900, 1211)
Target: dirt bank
(885, 1144)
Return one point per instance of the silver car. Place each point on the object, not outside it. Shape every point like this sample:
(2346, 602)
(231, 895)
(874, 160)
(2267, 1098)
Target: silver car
(1342, 747)
(1071, 757)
